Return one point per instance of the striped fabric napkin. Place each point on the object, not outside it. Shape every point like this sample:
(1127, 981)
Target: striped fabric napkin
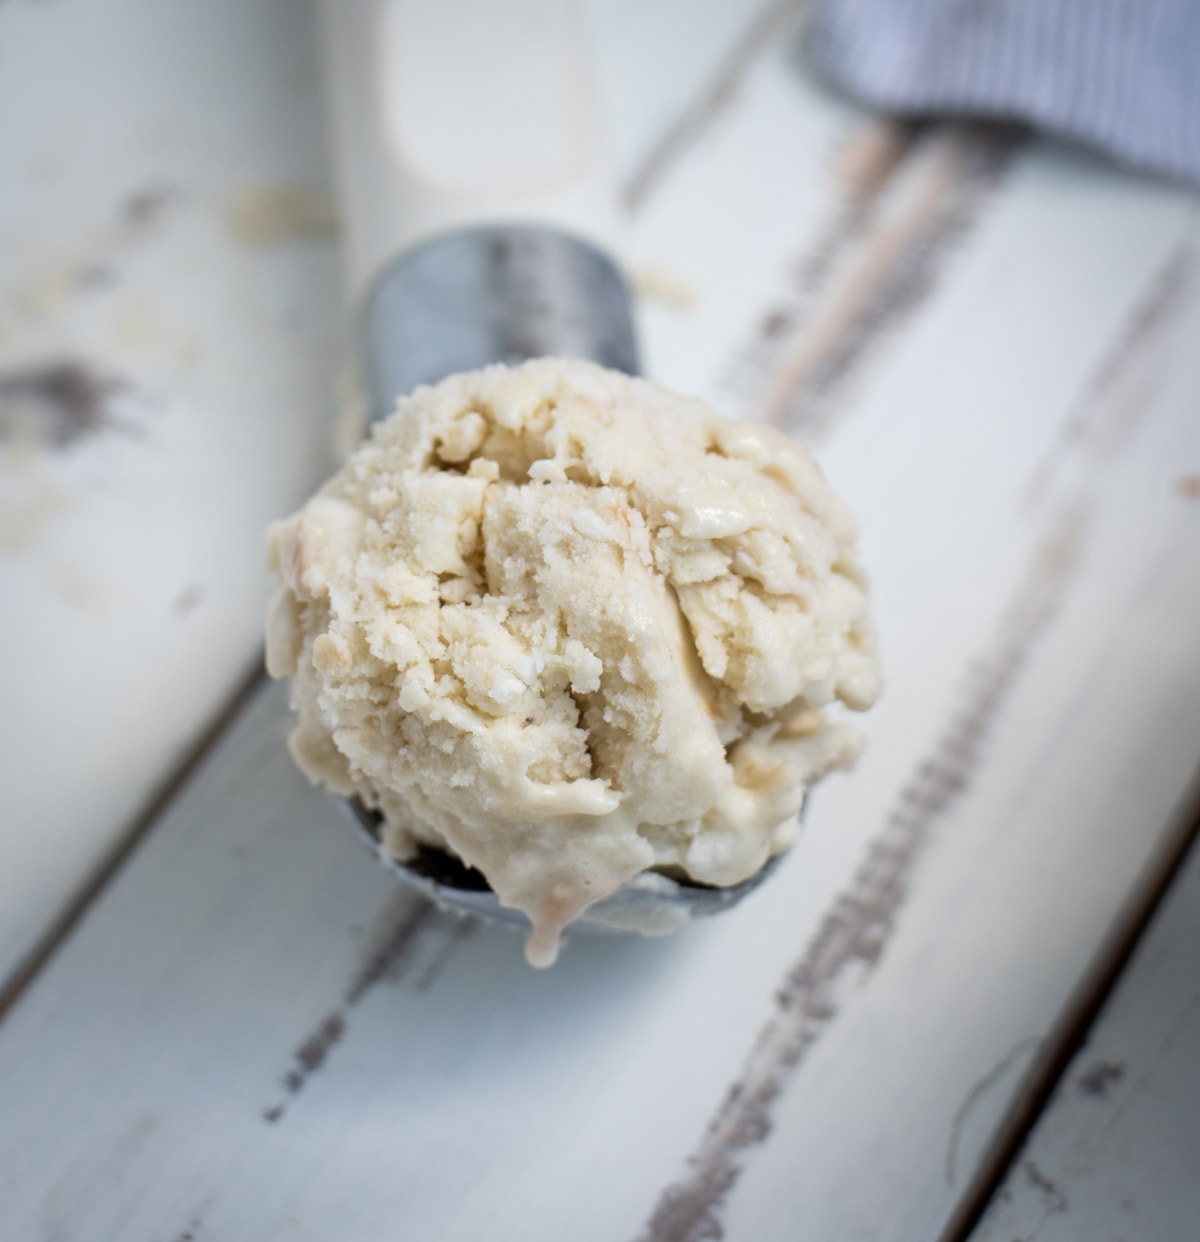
(1121, 75)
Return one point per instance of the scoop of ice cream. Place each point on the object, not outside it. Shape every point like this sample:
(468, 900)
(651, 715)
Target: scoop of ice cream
(570, 627)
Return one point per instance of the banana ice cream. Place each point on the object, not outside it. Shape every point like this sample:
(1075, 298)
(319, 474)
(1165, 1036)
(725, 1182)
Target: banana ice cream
(570, 627)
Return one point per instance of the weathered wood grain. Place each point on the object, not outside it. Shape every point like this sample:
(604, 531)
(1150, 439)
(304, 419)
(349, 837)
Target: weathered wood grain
(854, 934)
(165, 389)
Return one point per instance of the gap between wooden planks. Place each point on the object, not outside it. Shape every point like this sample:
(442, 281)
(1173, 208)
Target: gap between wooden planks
(1079, 1016)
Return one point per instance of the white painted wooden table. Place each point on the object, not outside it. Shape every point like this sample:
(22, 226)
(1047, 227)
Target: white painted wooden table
(239, 1029)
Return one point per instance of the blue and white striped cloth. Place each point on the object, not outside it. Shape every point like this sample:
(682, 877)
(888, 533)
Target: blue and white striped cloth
(1121, 75)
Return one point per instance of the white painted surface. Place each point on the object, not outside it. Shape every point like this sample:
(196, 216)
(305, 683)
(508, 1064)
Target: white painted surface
(1116, 1155)
(1015, 424)
(138, 140)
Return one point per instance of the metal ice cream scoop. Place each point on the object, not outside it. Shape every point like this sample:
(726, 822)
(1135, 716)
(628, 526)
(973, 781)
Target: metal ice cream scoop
(469, 165)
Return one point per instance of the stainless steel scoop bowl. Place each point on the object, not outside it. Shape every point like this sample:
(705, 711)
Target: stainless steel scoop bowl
(650, 903)
(508, 294)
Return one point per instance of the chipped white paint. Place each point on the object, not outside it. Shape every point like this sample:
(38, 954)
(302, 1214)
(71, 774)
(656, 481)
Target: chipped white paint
(252, 1035)
(131, 560)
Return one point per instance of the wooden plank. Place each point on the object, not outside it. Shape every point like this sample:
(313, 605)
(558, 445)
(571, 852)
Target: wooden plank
(980, 957)
(167, 340)
(1115, 1154)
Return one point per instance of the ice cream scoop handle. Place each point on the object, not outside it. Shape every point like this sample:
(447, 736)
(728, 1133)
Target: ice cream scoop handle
(453, 113)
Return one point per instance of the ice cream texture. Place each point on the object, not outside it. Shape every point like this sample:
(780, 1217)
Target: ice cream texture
(570, 627)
